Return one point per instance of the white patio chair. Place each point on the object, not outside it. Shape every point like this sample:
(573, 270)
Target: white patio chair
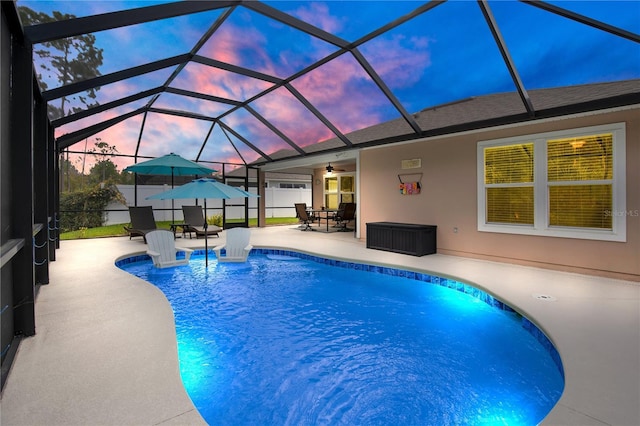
(237, 246)
(162, 249)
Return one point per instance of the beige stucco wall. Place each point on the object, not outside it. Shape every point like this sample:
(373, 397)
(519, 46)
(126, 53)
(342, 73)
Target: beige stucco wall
(448, 200)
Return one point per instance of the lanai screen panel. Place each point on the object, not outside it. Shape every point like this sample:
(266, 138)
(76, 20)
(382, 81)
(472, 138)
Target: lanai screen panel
(139, 44)
(434, 59)
(224, 146)
(114, 91)
(164, 133)
(100, 117)
(254, 41)
(349, 20)
(82, 9)
(120, 48)
(430, 56)
(190, 104)
(254, 131)
(219, 148)
(132, 45)
(123, 135)
(552, 51)
(623, 14)
(133, 85)
(292, 118)
(343, 92)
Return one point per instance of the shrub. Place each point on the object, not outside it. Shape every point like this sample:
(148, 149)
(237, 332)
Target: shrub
(216, 219)
(85, 208)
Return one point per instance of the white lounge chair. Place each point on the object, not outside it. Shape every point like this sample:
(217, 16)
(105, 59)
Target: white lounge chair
(237, 247)
(162, 249)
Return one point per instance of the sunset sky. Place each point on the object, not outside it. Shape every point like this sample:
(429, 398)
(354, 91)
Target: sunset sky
(443, 55)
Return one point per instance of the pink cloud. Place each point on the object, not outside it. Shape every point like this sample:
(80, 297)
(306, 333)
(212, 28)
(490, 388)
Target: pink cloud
(318, 14)
(286, 113)
(227, 46)
(218, 82)
(343, 92)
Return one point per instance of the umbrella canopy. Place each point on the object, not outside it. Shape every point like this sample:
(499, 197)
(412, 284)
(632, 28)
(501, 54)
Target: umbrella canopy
(170, 164)
(203, 188)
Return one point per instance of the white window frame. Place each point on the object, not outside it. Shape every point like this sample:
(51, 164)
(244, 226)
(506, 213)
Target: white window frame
(338, 191)
(540, 225)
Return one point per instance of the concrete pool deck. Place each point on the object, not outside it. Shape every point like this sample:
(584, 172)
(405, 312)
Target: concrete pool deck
(105, 348)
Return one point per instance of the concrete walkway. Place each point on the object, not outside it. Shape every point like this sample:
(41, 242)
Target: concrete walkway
(105, 349)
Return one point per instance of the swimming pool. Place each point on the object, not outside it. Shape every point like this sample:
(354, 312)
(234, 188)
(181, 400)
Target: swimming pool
(291, 338)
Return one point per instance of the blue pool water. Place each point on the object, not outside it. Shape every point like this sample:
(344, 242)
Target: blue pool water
(292, 339)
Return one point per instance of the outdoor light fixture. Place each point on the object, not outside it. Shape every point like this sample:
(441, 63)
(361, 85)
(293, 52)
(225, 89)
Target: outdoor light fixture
(577, 143)
(329, 168)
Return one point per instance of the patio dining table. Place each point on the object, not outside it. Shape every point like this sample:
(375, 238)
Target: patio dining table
(323, 214)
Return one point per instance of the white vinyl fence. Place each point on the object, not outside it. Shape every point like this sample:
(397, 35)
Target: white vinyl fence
(279, 203)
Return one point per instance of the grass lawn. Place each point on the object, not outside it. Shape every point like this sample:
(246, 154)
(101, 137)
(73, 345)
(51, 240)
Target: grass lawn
(118, 230)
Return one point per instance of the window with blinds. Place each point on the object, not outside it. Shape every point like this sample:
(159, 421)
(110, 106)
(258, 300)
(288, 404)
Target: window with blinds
(569, 184)
(338, 188)
(580, 181)
(508, 176)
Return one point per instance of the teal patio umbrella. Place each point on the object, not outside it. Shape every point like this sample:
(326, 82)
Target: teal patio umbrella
(203, 188)
(170, 164)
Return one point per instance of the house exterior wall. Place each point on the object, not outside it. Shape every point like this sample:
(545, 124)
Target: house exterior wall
(448, 199)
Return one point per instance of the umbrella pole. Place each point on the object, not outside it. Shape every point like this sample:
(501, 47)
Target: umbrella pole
(173, 218)
(206, 244)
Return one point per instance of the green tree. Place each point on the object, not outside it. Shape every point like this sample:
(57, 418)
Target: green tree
(65, 61)
(83, 207)
(70, 178)
(127, 178)
(104, 170)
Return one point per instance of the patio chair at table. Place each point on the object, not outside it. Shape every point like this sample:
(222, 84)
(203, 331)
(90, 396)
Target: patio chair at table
(142, 222)
(336, 214)
(303, 215)
(344, 216)
(194, 222)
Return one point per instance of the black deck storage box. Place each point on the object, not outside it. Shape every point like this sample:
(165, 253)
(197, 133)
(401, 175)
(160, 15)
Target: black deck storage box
(407, 238)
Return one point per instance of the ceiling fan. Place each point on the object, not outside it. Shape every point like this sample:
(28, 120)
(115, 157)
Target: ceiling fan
(331, 169)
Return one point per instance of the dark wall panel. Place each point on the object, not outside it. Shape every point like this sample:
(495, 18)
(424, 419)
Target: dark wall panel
(7, 331)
